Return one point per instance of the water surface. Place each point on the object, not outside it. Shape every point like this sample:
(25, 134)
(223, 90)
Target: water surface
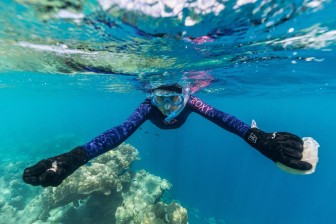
(70, 71)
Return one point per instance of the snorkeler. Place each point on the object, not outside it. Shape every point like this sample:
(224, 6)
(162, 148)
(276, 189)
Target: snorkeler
(168, 107)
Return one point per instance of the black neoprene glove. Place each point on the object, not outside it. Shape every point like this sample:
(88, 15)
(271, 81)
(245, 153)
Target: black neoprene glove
(282, 147)
(52, 171)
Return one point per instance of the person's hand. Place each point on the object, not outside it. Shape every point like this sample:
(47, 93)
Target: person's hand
(52, 171)
(282, 147)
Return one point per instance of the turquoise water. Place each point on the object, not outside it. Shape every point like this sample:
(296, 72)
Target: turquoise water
(63, 81)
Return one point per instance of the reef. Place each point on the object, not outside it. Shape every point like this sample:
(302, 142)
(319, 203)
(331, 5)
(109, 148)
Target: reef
(104, 191)
(48, 9)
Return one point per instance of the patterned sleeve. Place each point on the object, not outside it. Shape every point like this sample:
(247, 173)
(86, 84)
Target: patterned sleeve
(224, 120)
(115, 136)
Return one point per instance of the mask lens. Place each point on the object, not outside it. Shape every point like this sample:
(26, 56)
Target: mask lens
(160, 99)
(176, 100)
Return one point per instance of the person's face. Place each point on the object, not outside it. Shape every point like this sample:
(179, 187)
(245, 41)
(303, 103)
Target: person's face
(167, 101)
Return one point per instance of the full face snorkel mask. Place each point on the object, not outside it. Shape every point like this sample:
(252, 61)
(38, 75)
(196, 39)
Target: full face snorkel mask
(168, 96)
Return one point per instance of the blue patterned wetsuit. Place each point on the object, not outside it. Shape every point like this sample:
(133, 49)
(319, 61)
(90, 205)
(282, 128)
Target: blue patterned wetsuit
(146, 111)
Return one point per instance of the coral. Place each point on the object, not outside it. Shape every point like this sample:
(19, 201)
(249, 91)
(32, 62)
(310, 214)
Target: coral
(104, 174)
(139, 202)
(16, 197)
(49, 9)
(171, 213)
(104, 191)
(145, 189)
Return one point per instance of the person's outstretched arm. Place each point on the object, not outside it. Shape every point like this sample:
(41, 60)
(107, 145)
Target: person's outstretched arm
(52, 171)
(283, 147)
